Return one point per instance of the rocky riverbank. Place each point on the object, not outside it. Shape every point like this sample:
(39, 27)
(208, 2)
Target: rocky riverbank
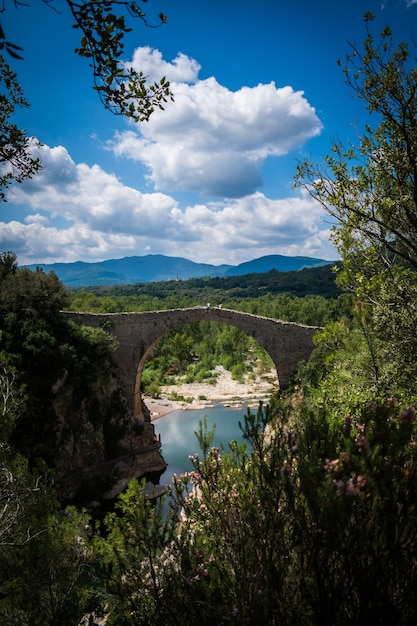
(226, 391)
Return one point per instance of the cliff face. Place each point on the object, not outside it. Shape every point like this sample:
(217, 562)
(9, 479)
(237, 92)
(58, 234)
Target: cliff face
(72, 417)
(100, 446)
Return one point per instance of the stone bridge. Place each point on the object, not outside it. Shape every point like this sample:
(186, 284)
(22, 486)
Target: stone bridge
(287, 343)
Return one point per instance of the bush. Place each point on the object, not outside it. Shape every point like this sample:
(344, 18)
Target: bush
(308, 525)
(238, 372)
(154, 390)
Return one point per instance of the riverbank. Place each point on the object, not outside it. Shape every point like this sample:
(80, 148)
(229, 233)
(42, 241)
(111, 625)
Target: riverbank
(226, 391)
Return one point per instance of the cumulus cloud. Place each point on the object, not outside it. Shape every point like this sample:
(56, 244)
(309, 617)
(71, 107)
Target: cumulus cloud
(92, 197)
(38, 243)
(150, 62)
(253, 226)
(212, 140)
(37, 219)
(82, 212)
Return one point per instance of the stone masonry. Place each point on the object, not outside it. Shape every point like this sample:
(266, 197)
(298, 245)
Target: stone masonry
(287, 343)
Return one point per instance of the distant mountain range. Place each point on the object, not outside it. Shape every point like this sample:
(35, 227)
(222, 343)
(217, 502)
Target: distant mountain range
(157, 267)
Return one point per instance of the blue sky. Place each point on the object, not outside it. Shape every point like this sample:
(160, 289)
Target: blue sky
(257, 88)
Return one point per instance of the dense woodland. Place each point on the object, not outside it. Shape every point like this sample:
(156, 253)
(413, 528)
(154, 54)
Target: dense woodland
(314, 520)
(226, 289)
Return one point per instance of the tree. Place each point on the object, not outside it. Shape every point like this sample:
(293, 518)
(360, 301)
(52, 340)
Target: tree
(16, 160)
(122, 90)
(49, 350)
(313, 522)
(49, 580)
(8, 264)
(371, 188)
(13, 491)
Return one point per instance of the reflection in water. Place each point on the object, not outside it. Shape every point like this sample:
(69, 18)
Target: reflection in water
(179, 441)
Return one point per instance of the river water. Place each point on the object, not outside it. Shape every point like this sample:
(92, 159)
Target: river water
(179, 441)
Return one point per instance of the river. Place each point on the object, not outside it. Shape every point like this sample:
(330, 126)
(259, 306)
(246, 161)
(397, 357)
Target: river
(179, 441)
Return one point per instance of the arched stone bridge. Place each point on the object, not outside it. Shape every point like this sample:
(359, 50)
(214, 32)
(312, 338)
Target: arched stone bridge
(287, 343)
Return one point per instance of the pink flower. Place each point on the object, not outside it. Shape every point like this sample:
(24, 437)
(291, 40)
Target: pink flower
(332, 466)
(350, 487)
(408, 415)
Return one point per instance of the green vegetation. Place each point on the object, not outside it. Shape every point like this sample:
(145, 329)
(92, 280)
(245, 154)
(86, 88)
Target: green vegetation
(228, 290)
(316, 526)
(15, 145)
(191, 353)
(312, 520)
(44, 351)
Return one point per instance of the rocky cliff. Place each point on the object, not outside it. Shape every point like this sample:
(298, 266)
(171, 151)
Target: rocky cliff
(101, 446)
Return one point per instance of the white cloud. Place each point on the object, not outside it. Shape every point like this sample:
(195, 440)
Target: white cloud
(92, 197)
(150, 62)
(37, 219)
(212, 140)
(83, 213)
(37, 243)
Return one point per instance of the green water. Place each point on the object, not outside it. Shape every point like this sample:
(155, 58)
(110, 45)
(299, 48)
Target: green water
(178, 438)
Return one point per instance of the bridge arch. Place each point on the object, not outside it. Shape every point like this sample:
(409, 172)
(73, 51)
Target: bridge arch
(287, 343)
(148, 354)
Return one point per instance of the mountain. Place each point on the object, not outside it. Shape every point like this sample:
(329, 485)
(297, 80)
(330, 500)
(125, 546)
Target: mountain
(129, 270)
(157, 267)
(275, 262)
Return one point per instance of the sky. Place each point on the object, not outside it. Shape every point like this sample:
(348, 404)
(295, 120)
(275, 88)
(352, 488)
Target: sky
(257, 89)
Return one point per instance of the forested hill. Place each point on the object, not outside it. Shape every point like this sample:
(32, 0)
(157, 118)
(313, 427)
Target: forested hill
(308, 281)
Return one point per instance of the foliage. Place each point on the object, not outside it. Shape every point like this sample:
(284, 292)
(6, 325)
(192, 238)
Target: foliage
(122, 90)
(192, 353)
(312, 520)
(310, 282)
(393, 323)
(15, 487)
(354, 519)
(342, 369)
(314, 524)
(133, 554)
(49, 579)
(315, 310)
(43, 349)
(16, 161)
(194, 350)
(12, 396)
(44, 554)
(58, 582)
(8, 264)
(371, 189)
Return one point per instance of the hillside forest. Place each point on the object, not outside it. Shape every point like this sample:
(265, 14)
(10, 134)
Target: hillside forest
(313, 518)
